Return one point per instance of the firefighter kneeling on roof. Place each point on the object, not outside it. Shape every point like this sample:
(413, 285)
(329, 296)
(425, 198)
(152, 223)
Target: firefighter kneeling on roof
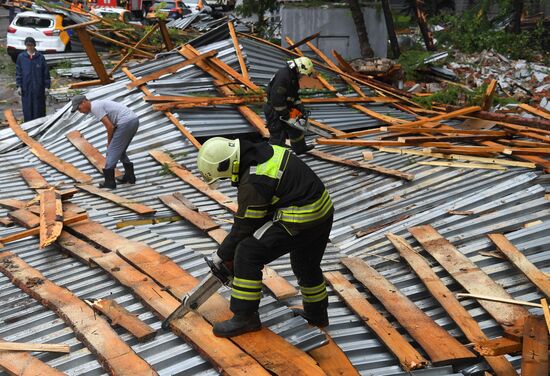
(283, 208)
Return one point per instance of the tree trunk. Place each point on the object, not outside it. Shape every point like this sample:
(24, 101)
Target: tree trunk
(357, 15)
(516, 22)
(391, 29)
(423, 24)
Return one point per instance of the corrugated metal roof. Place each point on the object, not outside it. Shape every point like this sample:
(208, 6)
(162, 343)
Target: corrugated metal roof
(503, 201)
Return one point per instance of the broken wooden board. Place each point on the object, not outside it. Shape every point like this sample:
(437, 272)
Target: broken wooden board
(36, 347)
(534, 355)
(278, 285)
(78, 248)
(269, 349)
(407, 356)
(186, 175)
(33, 178)
(200, 220)
(120, 316)
(51, 216)
(119, 200)
(332, 360)
(535, 275)
(472, 278)
(6, 222)
(89, 151)
(362, 165)
(498, 346)
(440, 346)
(116, 357)
(24, 218)
(452, 306)
(19, 363)
(43, 154)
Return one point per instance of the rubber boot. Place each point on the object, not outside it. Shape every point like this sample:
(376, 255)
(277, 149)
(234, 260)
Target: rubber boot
(300, 147)
(128, 176)
(109, 175)
(238, 324)
(319, 319)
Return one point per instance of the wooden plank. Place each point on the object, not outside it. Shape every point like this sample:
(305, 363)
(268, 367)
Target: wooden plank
(472, 278)
(487, 100)
(6, 222)
(24, 218)
(279, 286)
(38, 347)
(535, 275)
(17, 363)
(168, 114)
(44, 155)
(89, 151)
(94, 58)
(441, 347)
(534, 356)
(463, 165)
(171, 69)
(330, 141)
(423, 139)
(452, 306)
(535, 111)
(186, 175)
(78, 248)
(413, 130)
(438, 118)
(332, 360)
(119, 200)
(498, 346)
(546, 311)
(362, 165)
(238, 52)
(270, 350)
(408, 357)
(36, 230)
(527, 151)
(33, 178)
(51, 216)
(120, 316)
(116, 357)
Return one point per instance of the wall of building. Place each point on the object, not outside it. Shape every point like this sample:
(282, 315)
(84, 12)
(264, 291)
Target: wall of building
(336, 28)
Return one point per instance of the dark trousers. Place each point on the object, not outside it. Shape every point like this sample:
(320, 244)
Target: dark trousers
(306, 251)
(279, 131)
(34, 105)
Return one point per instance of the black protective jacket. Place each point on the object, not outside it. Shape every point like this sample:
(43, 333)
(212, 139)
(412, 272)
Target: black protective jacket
(282, 94)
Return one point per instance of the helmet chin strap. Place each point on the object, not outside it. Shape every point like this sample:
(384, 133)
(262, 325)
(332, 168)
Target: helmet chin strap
(235, 173)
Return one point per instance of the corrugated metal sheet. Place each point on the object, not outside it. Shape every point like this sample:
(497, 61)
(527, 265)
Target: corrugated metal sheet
(503, 201)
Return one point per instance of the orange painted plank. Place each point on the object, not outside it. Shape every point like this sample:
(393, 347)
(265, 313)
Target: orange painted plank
(51, 216)
(89, 151)
(440, 346)
(18, 363)
(44, 155)
(116, 357)
(472, 278)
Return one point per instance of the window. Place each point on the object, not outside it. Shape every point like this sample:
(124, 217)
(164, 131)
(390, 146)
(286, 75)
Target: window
(35, 22)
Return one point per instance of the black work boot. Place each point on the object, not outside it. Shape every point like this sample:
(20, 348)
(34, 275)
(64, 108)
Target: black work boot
(239, 324)
(319, 319)
(109, 175)
(128, 176)
(300, 147)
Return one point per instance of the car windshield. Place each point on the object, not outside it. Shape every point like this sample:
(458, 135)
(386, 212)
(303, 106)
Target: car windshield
(35, 22)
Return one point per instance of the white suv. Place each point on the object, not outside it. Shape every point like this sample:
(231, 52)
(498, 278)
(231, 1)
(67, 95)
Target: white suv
(45, 28)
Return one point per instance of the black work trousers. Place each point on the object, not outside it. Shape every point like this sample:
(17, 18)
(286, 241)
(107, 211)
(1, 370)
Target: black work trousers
(306, 251)
(279, 131)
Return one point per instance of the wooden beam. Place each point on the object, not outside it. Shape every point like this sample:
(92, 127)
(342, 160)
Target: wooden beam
(116, 357)
(51, 216)
(119, 200)
(293, 46)
(408, 357)
(132, 50)
(24, 218)
(543, 114)
(94, 58)
(186, 175)
(534, 356)
(452, 306)
(18, 363)
(89, 151)
(499, 300)
(168, 114)
(165, 35)
(6, 222)
(44, 155)
(440, 346)
(487, 100)
(171, 69)
(423, 139)
(330, 141)
(534, 274)
(546, 312)
(498, 346)
(472, 278)
(120, 316)
(36, 347)
(438, 118)
(332, 360)
(474, 132)
(464, 165)
(238, 52)
(363, 165)
(121, 44)
(33, 178)
(270, 350)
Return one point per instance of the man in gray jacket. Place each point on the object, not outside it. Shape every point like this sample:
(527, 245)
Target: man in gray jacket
(121, 124)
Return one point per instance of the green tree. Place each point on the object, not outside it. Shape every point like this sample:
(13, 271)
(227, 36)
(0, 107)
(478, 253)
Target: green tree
(259, 8)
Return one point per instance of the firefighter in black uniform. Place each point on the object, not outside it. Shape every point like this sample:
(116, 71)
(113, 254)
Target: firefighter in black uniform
(282, 98)
(283, 207)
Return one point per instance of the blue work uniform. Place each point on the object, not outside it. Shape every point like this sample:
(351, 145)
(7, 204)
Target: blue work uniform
(33, 77)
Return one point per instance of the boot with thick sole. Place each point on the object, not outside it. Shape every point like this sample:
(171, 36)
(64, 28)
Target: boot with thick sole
(128, 176)
(109, 175)
(319, 319)
(301, 147)
(238, 324)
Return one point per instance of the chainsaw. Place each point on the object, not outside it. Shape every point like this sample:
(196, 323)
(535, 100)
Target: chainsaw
(217, 277)
(300, 121)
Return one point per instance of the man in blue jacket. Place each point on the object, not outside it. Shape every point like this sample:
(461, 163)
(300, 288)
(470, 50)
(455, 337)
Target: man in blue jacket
(33, 81)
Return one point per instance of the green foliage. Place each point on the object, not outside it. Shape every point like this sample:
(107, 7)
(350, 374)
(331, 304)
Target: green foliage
(64, 64)
(157, 11)
(458, 96)
(175, 156)
(165, 170)
(401, 22)
(410, 61)
(259, 8)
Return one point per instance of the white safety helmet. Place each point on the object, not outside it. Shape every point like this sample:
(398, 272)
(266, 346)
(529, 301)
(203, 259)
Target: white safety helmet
(218, 159)
(303, 65)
